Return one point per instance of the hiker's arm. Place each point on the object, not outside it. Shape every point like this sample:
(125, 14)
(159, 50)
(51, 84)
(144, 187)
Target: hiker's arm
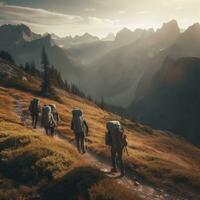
(29, 108)
(125, 141)
(39, 109)
(86, 126)
(72, 125)
(53, 120)
(85, 123)
(58, 117)
(42, 118)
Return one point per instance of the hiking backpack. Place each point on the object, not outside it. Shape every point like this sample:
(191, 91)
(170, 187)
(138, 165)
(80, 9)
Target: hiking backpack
(34, 106)
(54, 113)
(46, 116)
(115, 135)
(78, 121)
(108, 140)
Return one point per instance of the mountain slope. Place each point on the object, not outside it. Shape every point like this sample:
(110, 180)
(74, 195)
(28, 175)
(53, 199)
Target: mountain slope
(187, 44)
(10, 34)
(70, 41)
(117, 72)
(12, 76)
(172, 102)
(155, 157)
(109, 37)
(26, 47)
(34, 166)
(87, 53)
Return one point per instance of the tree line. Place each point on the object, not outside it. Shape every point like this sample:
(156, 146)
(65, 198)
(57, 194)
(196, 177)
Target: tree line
(51, 78)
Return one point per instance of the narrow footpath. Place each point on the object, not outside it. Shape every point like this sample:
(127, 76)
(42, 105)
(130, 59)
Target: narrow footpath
(129, 181)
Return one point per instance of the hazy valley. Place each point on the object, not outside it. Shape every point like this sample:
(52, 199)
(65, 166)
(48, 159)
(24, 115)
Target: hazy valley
(148, 79)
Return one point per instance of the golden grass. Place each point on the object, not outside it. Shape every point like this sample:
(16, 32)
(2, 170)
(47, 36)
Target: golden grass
(155, 155)
(104, 190)
(161, 159)
(30, 162)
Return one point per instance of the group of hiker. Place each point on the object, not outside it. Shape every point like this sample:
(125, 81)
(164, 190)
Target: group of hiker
(115, 137)
(49, 116)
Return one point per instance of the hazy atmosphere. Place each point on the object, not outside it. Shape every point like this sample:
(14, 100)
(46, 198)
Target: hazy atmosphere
(99, 99)
(98, 17)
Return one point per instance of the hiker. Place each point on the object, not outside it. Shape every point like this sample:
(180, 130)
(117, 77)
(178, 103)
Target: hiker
(56, 118)
(80, 128)
(116, 139)
(34, 109)
(47, 120)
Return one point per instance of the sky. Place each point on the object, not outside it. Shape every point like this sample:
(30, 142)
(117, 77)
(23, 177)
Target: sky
(98, 17)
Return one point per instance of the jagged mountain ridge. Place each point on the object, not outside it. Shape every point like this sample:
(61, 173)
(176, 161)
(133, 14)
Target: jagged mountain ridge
(70, 41)
(13, 34)
(172, 102)
(187, 44)
(128, 62)
(26, 46)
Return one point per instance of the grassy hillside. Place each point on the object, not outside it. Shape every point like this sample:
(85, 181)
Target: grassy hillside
(13, 76)
(34, 166)
(156, 157)
(172, 102)
(160, 158)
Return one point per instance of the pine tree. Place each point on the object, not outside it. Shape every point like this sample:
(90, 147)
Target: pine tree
(33, 69)
(67, 86)
(27, 67)
(46, 85)
(7, 56)
(21, 66)
(102, 104)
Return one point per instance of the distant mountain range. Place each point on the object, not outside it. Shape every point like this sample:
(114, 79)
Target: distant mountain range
(133, 70)
(109, 37)
(25, 46)
(116, 74)
(11, 35)
(70, 41)
(187, 44)
(173, 99)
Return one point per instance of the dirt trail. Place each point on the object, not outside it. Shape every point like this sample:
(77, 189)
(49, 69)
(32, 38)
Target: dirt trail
(143, 190)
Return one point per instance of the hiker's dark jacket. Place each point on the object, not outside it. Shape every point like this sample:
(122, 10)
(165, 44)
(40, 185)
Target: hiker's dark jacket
(34, 109)
(85, 124)
(117, 140)
(56, 116)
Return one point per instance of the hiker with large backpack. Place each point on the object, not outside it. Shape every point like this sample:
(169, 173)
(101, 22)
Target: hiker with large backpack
(56, 118)
(116, 139)
(47, 120)
(34, 109)
(80, 128)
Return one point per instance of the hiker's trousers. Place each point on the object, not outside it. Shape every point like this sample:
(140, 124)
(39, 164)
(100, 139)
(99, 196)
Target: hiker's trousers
(116, 157)
(80, 142)
(34, 119)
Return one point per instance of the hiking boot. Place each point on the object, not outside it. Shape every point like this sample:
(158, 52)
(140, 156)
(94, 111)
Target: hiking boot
(122, 174)
(83, 152)
(113, 170)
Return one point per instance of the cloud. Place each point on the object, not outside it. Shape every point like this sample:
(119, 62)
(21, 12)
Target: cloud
(99, 21)
(90, 9)
(122, 12)
(39, 16)
(41, 20)
(144, 12)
